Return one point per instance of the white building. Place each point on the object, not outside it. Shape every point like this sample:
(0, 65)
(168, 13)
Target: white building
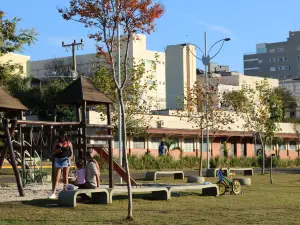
(180, 73)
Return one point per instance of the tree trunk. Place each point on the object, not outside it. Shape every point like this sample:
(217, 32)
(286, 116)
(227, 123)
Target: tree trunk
(263, 160)
(130, 215)
(201, 153)
(271, 178)
(263, 155)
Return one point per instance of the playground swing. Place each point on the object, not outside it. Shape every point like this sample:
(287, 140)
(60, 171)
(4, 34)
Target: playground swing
(32, 172)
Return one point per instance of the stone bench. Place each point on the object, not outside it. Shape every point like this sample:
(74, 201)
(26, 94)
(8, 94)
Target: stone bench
(208, 190)
(157, 193)
(98, 196)
(151, 176)
(212, 172)
(244, 181)
(247, 171)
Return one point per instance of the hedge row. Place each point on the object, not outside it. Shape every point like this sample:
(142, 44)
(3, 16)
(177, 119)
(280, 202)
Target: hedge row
(149, 162)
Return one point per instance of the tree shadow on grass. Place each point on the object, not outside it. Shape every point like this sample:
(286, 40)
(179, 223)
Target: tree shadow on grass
(43, 203)
(134, 196)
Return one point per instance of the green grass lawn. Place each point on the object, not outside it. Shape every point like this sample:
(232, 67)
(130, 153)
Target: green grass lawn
(261, 203)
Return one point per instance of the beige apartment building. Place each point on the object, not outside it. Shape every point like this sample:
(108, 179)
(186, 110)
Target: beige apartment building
(22, 62)
(138, 51)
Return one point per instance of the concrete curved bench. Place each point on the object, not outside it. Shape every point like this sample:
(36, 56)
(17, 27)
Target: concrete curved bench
(200, 180)
(151, 176)
(208, 190)
(212, 172)
(157, 193)
(245, 181)
(98, 196)
(247, 171)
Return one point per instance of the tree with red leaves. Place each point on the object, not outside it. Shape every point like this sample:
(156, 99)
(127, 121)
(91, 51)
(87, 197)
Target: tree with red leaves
(103, 18)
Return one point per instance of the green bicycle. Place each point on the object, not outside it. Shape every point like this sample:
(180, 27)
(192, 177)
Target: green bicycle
(228, 185)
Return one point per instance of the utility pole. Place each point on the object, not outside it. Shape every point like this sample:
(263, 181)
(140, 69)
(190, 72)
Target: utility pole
(73, 46)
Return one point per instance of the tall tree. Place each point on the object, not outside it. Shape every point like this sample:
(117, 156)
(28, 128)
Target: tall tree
(103, 17)
(57, 68)
(261, 109)
(12, 39)
(137, 107)
(289, 102)
(194, 112)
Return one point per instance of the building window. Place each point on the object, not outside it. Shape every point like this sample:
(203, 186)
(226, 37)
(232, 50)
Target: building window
(272, 50)
(155, 141)
(252, 68)
(233, 149)
(280, 68)
(273, 59)
(188, 145)
(292, 114)
(280, 49)
(273, 68)
(101, 142)
(292, 145)
(260, 70)
(250, 60)
(139, 143)
(298, 48)
(282, 147)
(260, 61)
(243, 149)
(283, 59)
(204, 147)
(116, 142)
(21, 69)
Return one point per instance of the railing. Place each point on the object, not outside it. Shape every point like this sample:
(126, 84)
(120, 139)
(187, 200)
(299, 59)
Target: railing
(251, 53)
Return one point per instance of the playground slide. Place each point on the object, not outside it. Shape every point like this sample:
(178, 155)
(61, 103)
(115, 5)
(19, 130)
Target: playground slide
(117, 167)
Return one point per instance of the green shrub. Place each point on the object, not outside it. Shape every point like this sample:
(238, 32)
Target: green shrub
(149, 162)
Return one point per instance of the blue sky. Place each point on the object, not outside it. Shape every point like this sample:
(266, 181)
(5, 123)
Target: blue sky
(247, 22)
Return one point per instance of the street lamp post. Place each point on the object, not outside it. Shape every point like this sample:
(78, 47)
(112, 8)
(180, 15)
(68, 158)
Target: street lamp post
(206, 58)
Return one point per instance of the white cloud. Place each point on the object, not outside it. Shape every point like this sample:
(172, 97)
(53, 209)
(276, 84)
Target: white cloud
(212, 27)
(217, 28)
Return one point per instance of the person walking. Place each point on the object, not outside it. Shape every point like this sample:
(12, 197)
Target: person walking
(162, 149)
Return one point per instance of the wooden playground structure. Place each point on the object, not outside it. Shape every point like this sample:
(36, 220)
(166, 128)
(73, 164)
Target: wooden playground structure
(24, 152)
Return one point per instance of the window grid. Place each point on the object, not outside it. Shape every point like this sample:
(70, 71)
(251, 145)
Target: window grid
(292, 146)
(155, 141)
(139, 143)
(188, 145)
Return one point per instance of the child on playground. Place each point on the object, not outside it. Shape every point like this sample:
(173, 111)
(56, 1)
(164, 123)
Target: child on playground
(92, 172)
(80, 174)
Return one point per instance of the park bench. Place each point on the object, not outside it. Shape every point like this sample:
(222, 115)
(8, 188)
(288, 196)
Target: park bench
(98, 196)
(157, 193)
(208, 190)
(212, 172)
(151, 176)
(247, 171)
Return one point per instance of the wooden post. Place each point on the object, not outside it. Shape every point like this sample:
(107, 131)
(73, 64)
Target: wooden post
(22, 155)
(110, 150)
(79, 132)
(4, 151)
(53, 136)
(84, 131)
(12, 157)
